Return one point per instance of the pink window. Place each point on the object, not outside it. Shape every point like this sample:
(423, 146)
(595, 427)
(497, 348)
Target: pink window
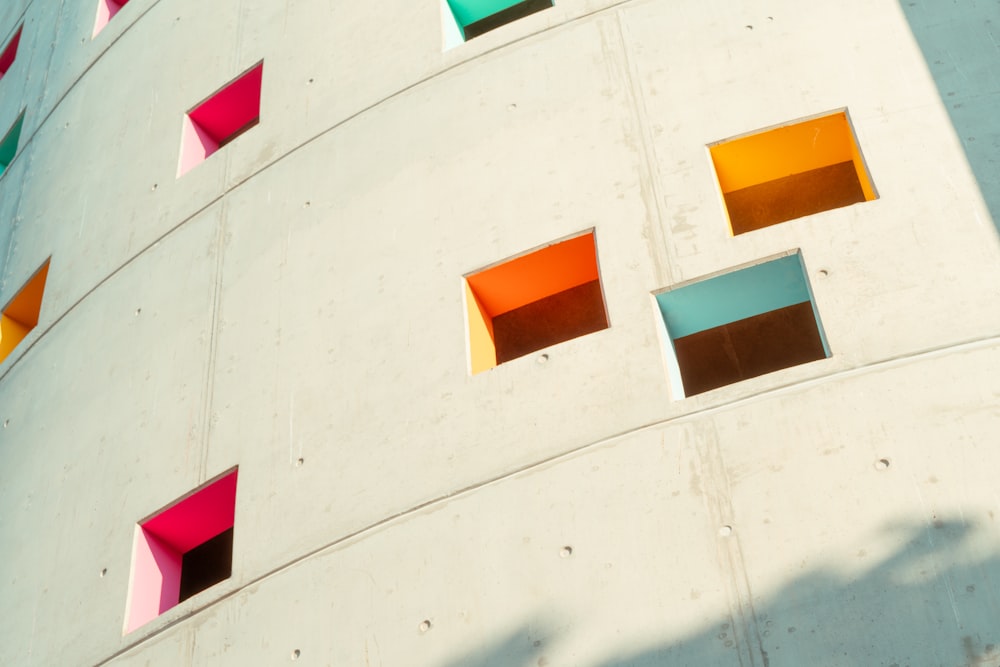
(182, 550)
(106, 10)
(221, 118)
(10, 52)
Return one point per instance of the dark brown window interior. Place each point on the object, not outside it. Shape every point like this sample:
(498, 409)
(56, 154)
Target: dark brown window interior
(554, 319)
(793, 197)
(207, 564)
(505, 16)
(747, 348)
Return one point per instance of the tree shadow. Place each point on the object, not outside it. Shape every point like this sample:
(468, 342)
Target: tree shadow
(926, 604)
(518, 647)
(961, 43)
(931, 601)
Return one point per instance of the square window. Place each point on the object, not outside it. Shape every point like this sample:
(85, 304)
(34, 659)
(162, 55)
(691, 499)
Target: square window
(740, 324)
(221, 118)
(106, 10)
(9, 52)
(21, 314)
(475, 17)
(537, 299)
(8, 145)
(182, 550)
(790, 171)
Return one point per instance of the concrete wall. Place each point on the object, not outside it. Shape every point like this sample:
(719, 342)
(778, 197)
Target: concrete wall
(294, 306)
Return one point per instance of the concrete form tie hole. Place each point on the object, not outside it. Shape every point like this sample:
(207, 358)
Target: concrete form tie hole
(104, 572)
(6, 423)
(299, 462)
(543, 359)
(882, 464)
(725, 531)
(295, 654)
(566, 552)
(425, 625)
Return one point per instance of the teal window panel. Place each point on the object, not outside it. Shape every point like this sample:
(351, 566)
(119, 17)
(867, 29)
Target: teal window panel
(733, 296)
(8, 146)
(475, 17)
(470, 11)
(731, 327)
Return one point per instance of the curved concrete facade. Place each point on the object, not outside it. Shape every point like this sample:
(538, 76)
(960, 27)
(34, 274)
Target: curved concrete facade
(294, 306)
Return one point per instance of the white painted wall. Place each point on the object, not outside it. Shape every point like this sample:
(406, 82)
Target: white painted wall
(298, 296)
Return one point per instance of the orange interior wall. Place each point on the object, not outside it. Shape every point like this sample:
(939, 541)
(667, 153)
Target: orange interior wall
(536, 275)
(787, 150)
(518, 282)
(21, 315)
(28, 302)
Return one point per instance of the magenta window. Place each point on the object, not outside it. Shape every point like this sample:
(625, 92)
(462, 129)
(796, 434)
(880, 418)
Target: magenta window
(9, 52)
(182, 550)
(221, 118)
(106, 10)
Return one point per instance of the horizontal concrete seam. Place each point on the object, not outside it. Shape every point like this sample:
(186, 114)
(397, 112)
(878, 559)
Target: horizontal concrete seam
(9, 32)
(10, 241)
(393, 519)
(267, 166)
(427, 79)
(13, 223)
(21, 181)
(27, 142)
(262, 169)
(100, 283)
(373, 105)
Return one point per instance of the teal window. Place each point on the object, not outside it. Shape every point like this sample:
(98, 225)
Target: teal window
(741, 324)
(8, 146)
(475, 17)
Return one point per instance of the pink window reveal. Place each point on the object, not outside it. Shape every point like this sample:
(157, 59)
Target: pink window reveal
(106, 10)
(221, 118)
(182, 550)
